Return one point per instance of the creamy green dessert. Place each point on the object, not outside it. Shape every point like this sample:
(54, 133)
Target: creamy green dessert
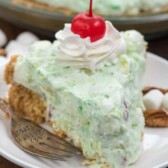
(92, 90)
(111, 7)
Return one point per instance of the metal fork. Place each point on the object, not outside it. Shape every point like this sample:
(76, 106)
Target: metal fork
(34, 139)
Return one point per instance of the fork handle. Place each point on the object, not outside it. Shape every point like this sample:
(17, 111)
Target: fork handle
(6, 108)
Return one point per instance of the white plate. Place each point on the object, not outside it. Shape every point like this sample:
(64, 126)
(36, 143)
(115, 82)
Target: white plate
(155, 144)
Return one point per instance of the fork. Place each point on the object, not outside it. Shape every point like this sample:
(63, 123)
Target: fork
(36, 140)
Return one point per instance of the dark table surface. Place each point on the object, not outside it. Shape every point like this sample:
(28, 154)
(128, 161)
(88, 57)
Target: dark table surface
(158, 46)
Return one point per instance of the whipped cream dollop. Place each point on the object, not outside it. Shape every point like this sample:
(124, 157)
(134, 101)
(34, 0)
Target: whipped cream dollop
(81, 53)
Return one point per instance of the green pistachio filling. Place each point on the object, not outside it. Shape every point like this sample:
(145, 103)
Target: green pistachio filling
(101, 111)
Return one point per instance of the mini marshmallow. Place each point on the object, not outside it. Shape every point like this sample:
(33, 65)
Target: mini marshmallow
(153, 99)
(26, 38)
(13, 45)
(3, 85)
(165, 103)
(3, 60)
(3, 38)
(15, 48)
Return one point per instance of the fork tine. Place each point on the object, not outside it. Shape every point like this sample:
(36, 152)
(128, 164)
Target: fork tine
(41, 153)
(5, 106)
(54, 139)
(51, 151)
(55, 146)
(56, 149)
(58, 140)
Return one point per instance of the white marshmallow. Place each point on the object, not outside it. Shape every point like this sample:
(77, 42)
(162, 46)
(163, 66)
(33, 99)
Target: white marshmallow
(153, 99)
(3, 38)
(165, 103)
(26, 38)
(3, 60)
(3, 85)
(15, 48)
(13, 45)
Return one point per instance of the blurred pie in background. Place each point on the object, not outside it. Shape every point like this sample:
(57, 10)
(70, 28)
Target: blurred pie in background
(103, 7)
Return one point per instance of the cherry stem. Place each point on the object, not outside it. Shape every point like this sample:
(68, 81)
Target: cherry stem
(90, 9)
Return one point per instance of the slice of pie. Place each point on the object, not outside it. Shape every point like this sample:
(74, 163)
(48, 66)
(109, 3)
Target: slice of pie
(89, 92)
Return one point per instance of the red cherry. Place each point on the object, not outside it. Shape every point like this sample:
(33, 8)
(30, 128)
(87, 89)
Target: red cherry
(86, 26)
(89, 25)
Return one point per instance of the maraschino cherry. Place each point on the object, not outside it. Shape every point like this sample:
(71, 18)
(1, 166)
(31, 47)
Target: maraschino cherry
(89, 25)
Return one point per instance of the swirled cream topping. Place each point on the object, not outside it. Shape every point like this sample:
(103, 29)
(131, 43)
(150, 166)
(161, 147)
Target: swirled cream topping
(81, 53)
